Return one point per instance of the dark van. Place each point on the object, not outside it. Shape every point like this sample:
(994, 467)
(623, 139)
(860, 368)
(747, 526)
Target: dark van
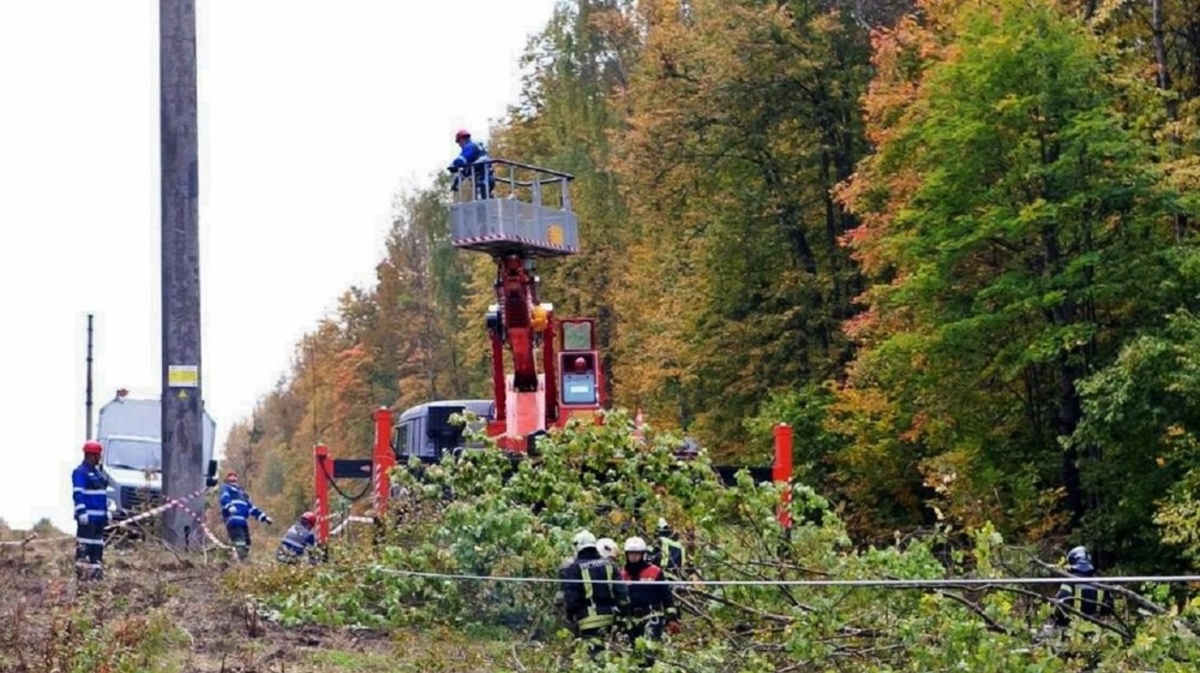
(425, 430)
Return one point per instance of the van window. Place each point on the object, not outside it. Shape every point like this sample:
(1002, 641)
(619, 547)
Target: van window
(402, 441)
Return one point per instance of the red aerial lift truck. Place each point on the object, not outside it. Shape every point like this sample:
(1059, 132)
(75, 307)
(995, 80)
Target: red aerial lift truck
(518, 213)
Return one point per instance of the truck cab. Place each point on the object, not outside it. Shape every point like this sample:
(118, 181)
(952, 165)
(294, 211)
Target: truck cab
(425, 431)
(130, 431)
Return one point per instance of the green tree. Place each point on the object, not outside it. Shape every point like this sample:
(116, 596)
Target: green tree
(1141, 418)
(1024, 244)
(743, 117)
(576, 70)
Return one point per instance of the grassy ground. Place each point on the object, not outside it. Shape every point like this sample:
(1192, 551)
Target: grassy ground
(157, 612)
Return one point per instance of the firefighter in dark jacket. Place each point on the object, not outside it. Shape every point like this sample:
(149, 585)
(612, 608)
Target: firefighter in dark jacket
(671, 556)
(89, 491)
(1082, 597)
(593, 595)
(651, 605)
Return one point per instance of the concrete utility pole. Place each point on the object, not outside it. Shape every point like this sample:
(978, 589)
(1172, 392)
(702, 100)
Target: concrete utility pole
(182, 405)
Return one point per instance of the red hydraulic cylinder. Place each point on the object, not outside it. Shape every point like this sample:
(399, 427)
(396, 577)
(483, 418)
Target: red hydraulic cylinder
(385, 458)
(321, 475)
(550, 372)
(782, 471)
(516, 303)
(499, 388)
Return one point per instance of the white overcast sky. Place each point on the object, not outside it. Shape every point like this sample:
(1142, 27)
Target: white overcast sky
(312, 116)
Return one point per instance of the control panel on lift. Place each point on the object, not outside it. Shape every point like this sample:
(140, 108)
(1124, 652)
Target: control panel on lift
(581, 382)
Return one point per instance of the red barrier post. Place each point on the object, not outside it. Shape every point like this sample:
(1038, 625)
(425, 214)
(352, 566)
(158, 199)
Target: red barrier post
(782, 471)
(385, 458)
(321, 476)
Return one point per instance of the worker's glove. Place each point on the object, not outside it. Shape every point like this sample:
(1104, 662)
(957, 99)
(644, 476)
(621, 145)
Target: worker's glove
(673, 627)
(230, 509)
(267, 520)
(82, 518)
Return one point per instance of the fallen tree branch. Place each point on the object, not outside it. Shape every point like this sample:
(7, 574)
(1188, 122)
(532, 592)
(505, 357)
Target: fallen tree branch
(761, 577)
(780, 619)
(516, 659)
(1125, 635)
(992, 624)
(1129, 594)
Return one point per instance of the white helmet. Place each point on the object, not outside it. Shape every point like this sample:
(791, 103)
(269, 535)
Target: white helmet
(607, 547)
(635, 544)
(663, 526)
(583, 540)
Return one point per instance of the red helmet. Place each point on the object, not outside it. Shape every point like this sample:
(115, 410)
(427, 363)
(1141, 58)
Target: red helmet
(92, 446)
(462, 133)
(231, 477)
(308, 518)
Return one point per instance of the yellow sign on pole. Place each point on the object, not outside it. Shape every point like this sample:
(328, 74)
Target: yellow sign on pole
(183, 376)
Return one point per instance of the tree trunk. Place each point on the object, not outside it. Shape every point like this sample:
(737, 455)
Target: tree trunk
(1070, 412)
(1164, 83)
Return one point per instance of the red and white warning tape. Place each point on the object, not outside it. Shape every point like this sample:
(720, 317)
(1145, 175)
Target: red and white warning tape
(174, 502)
(204, 527)
(349, 520)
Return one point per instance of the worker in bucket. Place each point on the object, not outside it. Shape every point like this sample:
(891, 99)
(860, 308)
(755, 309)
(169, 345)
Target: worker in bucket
(299, 541)
(472, 162)
(651, 605)
(89, 491)
(594, 596)
(236, 511)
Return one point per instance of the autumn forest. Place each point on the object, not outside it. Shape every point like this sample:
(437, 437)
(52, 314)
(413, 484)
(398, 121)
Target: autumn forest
(953, 243)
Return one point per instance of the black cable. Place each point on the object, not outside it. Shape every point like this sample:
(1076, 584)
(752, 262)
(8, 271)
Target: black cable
(342, 493)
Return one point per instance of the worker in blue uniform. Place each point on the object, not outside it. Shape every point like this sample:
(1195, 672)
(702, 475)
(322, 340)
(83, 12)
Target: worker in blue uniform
(1082, 597)
(89, 491)
(236, 511)
(468, 165)
(299, 541)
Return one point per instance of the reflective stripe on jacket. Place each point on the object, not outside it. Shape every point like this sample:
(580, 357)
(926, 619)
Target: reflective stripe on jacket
(236, 506)
(595, 601)
(673, 557)
(89, 491)
(297, 540)
(1084, 598)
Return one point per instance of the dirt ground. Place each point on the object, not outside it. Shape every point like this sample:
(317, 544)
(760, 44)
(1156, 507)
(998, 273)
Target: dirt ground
(179, 610)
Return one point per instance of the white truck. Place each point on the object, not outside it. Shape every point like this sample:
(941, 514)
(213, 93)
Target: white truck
(130, 430)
